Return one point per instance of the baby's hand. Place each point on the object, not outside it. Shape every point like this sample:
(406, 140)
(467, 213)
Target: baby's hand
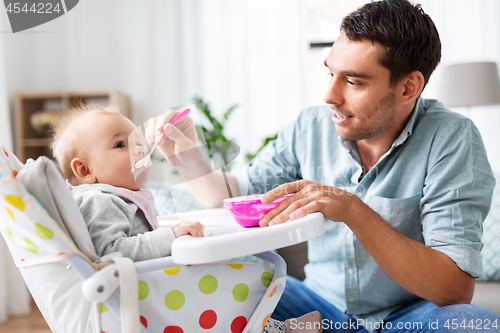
(193, 228)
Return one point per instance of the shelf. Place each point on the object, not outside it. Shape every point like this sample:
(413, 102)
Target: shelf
(36, 142)
(31, 144)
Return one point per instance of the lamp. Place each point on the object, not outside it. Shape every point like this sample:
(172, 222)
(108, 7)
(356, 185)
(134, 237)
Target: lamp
(470, 84)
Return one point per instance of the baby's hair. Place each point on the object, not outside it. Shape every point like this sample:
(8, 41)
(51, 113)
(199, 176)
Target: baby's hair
(62, 147)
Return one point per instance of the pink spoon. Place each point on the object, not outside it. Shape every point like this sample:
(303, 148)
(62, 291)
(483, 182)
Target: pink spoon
(143, 162)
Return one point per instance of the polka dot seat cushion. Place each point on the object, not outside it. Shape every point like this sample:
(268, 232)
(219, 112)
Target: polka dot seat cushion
(218, 297)
(231, 296)
(30, 233)
(40, 249)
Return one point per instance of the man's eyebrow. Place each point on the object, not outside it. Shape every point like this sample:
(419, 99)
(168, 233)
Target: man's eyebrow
(351, 73)
(356, 74)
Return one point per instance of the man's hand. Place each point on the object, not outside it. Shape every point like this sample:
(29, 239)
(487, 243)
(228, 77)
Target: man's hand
(193, 228)
(181, 148)
(180, 143)
(308, 197)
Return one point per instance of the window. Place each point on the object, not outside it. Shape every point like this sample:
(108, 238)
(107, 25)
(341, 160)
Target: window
(323, 26)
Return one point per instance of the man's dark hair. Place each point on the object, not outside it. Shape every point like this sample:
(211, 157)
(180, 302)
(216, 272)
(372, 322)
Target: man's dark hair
(409, 37)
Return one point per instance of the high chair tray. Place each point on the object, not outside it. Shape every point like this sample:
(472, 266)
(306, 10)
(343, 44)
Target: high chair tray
(226, 239)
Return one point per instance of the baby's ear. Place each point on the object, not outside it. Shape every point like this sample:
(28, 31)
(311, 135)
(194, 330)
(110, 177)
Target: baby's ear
(82, 171)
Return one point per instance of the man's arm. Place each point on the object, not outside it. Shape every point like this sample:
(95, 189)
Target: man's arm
(419, 269)
(212, 187)
(181, 148)
(416, 267)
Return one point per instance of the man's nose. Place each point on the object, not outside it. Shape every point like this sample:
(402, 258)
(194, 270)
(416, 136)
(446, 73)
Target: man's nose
(334, 93)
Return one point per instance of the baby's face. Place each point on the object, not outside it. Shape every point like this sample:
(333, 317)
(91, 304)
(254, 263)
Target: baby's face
(111, 145)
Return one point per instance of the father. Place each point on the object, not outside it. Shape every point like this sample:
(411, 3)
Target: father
(403, 183)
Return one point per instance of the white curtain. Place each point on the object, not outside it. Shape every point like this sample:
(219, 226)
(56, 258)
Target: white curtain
(470, 32)
(254, 54)
(14, 296)
(5, 122)
(163, 52)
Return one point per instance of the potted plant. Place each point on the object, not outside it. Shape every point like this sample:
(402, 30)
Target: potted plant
(218, 143)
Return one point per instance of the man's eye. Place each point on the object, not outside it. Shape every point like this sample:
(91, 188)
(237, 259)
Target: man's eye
(120, 144)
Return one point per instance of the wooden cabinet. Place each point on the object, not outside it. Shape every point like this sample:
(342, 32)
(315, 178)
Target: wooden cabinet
(31, 143)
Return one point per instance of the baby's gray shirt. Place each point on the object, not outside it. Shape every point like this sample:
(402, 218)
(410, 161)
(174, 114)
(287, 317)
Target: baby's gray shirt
(116, 224)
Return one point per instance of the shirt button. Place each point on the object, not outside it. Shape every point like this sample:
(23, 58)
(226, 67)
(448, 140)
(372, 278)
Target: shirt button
(351, 299)
(350, 271)
(348, 235)
(359, 194)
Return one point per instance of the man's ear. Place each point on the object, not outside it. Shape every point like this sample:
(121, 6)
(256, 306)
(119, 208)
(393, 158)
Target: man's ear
(82, 171)
(412, 87)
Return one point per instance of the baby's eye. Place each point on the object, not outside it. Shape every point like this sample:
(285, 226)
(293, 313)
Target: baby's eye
(120, 144)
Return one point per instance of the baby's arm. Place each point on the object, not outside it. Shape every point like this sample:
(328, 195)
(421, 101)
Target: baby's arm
(193, 228)
(110, 223)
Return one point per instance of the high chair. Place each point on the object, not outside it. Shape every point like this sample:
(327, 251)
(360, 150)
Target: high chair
(76, 291)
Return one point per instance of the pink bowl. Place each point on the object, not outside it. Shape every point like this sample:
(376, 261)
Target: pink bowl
(248, 210)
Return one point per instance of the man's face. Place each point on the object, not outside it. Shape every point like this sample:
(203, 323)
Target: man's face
(112, 146)
(359, 93)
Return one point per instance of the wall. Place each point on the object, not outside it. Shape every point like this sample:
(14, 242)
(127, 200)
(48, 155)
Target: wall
(469, 32)
(163, 52)
(252, 53)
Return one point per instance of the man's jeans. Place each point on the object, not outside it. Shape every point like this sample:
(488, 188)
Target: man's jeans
(421, 316)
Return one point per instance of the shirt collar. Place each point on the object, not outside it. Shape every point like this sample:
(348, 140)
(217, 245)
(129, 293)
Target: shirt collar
(417, 111)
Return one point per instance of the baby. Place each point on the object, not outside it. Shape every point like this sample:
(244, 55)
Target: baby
(96, 148)
(91, 145)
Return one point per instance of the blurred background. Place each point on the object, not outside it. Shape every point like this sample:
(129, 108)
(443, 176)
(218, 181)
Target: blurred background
(262, 59)
(264, 56)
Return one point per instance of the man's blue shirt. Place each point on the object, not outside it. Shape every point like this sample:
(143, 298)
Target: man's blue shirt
(434, 185)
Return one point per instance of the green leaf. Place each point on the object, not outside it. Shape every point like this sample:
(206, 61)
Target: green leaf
(217, 131)
(229, 111)
(250, 157)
